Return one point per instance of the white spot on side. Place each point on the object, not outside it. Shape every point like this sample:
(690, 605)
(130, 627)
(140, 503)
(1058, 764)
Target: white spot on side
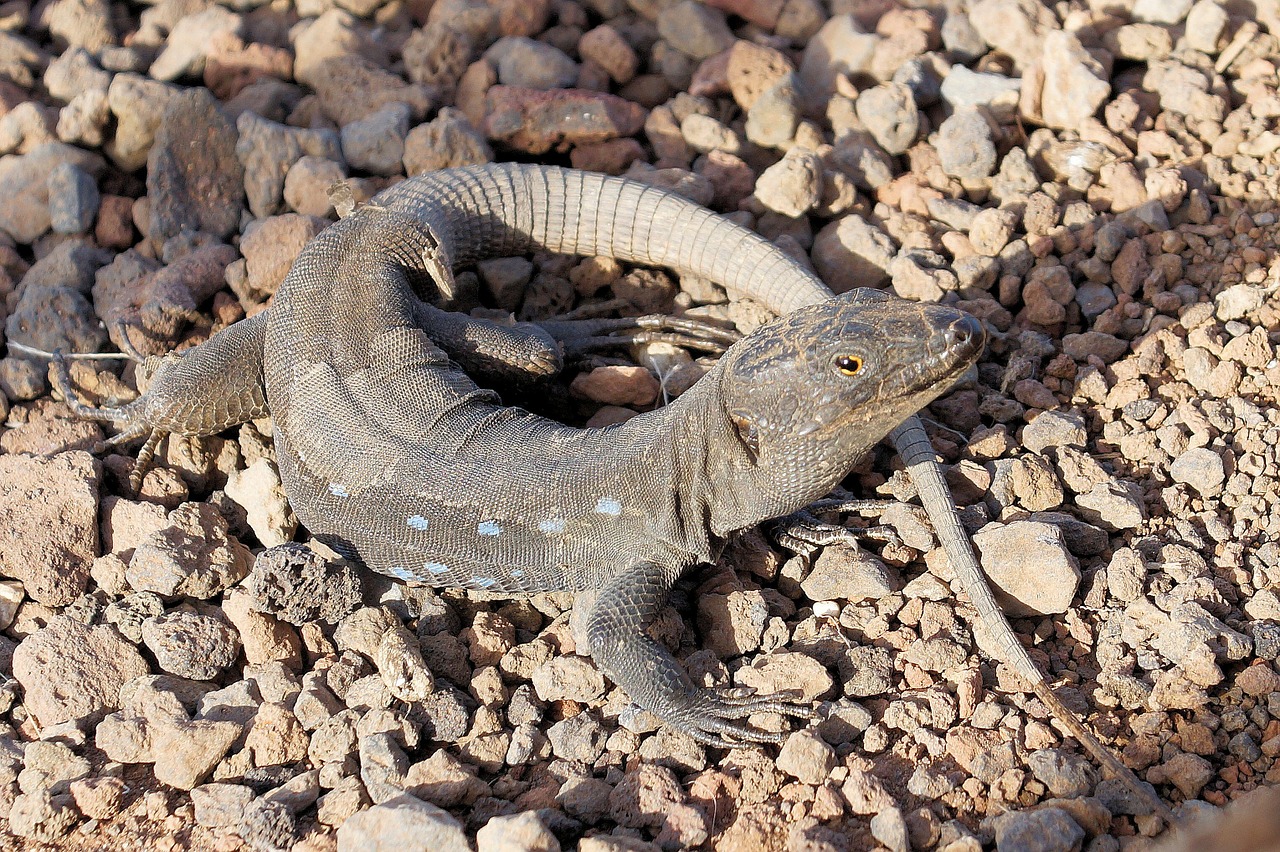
(488, 528)
(483, 582)
(553, 526)
(518, 573)
(401, 573)
(608, 506)
(338, 490)
(417, 522)
(435, 568)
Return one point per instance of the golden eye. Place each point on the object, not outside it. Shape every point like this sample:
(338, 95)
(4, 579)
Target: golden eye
(850, 365)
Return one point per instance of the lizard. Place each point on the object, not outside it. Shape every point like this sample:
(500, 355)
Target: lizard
(393, 455)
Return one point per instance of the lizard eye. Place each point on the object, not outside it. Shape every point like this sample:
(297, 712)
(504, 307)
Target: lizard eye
(850, 365)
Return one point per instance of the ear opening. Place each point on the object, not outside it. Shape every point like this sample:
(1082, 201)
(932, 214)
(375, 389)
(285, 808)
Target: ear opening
(745, 427)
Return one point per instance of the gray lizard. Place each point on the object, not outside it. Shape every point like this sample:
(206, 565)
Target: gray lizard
(391, 453)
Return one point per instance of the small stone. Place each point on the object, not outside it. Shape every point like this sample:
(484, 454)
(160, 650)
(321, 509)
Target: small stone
(532, 64)
(402, 824)
(534, 121)
(73, 199)
(1206, 23)
(523, 832)
(754, 69)
(890, 828)
(258, 490)
(840, 573)
(98, 798)
(1054, 429)
(965, 146)
(445, 142)
(1028, 562)
(375, 143)
(70, 671)
(890, 115)
(1067, 776)
(48, 523)
(1168, 12)
(1201, 468)
(851, 252)
(190, 645)
(306, 185)
(694, 29)
(607, 48)
(793, 185)
(806, 757)
(267, 150)
(617, 385)
(189, 41)
(1075, 84)
(839, 47)
(194, 555)
(1259, 680)
(995, 92)
(1043, 830)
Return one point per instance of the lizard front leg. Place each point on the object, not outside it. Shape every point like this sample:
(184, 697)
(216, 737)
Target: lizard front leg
(202, 391)
(616, 628)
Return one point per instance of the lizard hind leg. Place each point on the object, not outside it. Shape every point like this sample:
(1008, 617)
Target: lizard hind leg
(654, 679)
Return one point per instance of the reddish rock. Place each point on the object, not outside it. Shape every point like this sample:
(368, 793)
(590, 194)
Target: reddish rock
(49, 523)
(536, 121)
(69, 671)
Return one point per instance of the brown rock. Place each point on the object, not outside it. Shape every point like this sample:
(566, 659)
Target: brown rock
(536, 121)
(49, 523)
(617, 385)
(71, 672)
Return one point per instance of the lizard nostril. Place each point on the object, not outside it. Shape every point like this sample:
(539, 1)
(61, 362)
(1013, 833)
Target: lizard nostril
(965, 333)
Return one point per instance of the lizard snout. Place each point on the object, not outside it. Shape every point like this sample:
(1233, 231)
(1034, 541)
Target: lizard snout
(965, 336)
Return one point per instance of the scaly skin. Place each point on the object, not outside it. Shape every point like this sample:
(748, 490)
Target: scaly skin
(396, 456)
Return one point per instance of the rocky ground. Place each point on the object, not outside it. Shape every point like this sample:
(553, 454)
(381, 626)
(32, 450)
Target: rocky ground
(1095, 180)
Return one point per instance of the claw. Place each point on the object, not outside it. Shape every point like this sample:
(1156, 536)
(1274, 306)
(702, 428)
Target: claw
(719, 713)
(126, 417)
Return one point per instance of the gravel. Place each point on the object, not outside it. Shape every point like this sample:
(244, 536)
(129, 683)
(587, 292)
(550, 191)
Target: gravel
(1097, 186)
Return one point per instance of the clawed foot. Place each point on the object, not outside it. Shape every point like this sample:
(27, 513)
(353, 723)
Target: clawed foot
(127, 418)
(582, 337)
(717, 717)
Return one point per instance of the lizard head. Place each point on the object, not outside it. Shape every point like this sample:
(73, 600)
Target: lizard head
(810, 393)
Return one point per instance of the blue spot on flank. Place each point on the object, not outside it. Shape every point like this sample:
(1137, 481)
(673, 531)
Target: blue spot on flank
(338, 490)
(608, 506)
(488, 528)
(483, 582)
(551, 525)
(401, 573)
(518, 573)
(417, 522)
(435, 568)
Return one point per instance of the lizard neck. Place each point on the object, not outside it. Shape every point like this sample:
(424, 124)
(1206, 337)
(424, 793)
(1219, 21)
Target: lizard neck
(717, 477)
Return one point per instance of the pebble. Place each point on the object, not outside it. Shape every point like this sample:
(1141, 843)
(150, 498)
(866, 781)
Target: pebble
(1201, 468)
(533, 121)
(1009, 553)
(375, 143)
(965, 146)
(73, 199)
(852, 252)
(1043, 830)
(194, 180)
(24, 181)
(889, 113)
(190, 645)
(695, 29)
(532, 64)
(1075, 83)
(793, 185)
(71, 672)
(447, 141)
